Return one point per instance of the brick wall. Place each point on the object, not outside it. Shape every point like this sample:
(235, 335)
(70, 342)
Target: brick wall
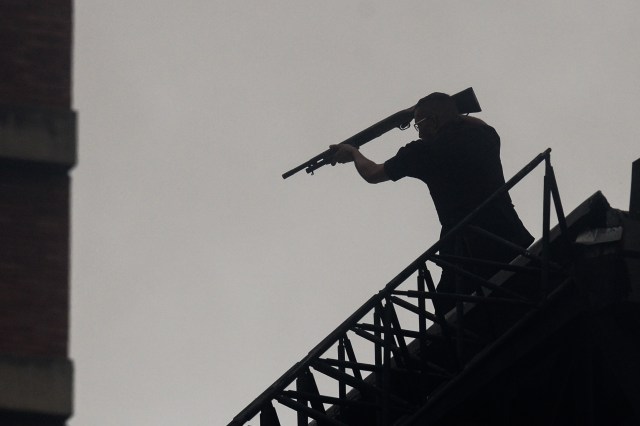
(34, 262)
(35, 52)
(37, 150)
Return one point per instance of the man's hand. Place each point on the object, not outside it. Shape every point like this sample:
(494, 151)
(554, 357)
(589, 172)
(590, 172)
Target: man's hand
(370, 171)
(342, 153)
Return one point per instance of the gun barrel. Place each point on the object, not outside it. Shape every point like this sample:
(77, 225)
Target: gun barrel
(400, 119)
(307, 164)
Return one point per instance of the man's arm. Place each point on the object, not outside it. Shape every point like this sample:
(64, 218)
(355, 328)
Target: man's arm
(369, 170)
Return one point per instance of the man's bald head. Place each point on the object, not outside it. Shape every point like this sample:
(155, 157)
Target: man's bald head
(439, 103)
(434, 111)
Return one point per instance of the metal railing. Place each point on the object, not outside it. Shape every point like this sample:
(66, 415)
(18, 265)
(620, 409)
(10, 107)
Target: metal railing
(297, 388)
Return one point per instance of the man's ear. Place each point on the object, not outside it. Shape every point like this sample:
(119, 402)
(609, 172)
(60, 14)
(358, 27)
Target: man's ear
(436, 120)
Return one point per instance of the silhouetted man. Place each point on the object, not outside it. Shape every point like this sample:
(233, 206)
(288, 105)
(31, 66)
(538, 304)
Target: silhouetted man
(458, 157)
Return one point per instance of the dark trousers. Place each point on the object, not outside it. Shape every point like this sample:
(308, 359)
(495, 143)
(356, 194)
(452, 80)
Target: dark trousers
(503, 222)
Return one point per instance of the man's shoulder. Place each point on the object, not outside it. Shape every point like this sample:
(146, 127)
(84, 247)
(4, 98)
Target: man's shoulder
(473, 121)
(469, 140)
(473, 128)
(475, 124)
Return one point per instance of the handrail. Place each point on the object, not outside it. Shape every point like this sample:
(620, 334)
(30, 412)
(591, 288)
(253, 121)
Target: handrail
(290, 375)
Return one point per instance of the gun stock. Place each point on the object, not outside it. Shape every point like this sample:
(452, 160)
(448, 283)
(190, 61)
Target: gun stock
(466, 102)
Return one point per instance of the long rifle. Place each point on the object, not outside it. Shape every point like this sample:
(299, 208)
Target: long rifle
(466, 102)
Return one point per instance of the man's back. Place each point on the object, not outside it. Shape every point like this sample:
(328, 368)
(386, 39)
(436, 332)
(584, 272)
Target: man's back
(460, 165)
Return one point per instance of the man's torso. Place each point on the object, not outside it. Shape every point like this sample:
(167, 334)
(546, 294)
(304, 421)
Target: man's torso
(461, 166)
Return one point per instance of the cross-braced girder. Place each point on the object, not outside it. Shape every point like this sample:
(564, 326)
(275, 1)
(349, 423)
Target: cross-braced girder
(401, 350)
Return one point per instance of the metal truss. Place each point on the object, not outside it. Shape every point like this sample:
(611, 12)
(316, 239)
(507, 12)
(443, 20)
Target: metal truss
(400, 350)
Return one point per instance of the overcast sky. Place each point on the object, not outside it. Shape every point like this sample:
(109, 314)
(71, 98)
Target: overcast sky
(198, 275)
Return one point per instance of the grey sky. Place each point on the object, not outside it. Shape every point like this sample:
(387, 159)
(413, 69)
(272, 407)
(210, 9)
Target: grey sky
(199, 275)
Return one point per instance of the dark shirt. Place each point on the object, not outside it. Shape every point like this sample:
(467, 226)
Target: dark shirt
(460, 165)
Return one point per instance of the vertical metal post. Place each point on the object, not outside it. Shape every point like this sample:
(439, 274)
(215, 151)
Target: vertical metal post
(422, 320)
(342, 386)
(397, 337)
(268, 416)
(307, 383)
(459, 309)
(378, 362)
(351, 356)
(389, 341)
(378, 348)
(303, 420)
(553, 187)
(634, 200)
(546, 213)
(422, 324)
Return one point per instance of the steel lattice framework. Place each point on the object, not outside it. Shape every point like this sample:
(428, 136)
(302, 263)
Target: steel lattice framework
(418, 355)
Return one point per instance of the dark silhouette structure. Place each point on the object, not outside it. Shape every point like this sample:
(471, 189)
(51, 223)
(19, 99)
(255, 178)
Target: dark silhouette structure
(37, 150)
(553, 338)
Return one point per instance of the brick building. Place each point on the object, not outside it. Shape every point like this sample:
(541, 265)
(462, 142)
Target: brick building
(37, 152)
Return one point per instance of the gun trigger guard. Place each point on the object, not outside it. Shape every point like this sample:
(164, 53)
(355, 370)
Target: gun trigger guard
(404, 126)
